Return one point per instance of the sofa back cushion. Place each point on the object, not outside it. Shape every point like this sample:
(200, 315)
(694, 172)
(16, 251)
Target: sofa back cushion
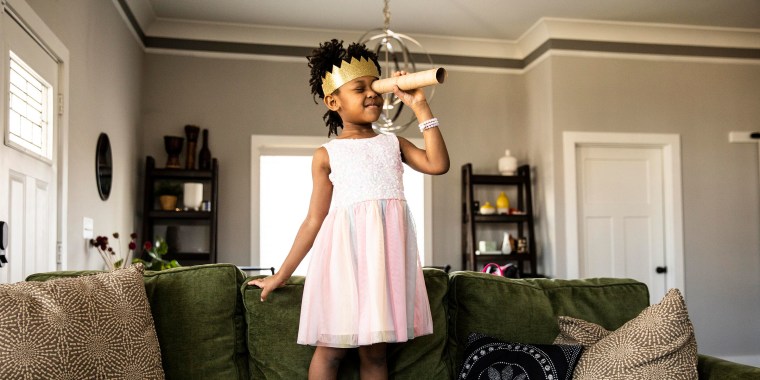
(198, 315)
(199, 319)
(526, 310)
(273, 329)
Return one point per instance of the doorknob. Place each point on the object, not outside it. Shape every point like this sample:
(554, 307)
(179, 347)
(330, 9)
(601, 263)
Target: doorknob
(661, 270)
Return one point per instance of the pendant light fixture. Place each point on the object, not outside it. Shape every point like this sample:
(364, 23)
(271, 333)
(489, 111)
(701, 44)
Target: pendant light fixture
(393, 54)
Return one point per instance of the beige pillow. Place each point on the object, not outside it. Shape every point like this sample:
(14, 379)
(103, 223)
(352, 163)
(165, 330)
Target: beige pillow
(658, 344)
(92, 327)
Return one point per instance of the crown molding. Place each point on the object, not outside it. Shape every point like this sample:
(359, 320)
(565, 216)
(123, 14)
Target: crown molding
(637, 33)
(162, 35)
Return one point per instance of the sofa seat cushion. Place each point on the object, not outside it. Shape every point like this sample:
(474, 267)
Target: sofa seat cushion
(273, 329)
(526, 310)
(658, 344)
(91, 327)
(198, 314)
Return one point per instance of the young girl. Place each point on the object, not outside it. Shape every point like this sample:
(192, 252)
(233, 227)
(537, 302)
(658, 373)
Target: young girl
(364, 286)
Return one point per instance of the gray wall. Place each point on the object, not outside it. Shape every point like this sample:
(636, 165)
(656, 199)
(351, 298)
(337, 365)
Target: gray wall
(702, 102)
(104, 96)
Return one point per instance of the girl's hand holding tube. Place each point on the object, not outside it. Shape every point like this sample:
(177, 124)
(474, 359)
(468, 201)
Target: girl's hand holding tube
(414, 98)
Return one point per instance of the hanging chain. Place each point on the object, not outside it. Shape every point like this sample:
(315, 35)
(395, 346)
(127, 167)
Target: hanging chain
(387, 14)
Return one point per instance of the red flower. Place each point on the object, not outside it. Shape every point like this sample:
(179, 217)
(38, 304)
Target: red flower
(132, 245)
(148, 245)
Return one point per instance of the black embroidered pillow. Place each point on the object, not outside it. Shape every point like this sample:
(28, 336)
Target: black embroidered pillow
(487, 358)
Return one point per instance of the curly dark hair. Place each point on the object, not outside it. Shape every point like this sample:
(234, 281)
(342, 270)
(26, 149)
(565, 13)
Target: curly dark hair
(322, 60)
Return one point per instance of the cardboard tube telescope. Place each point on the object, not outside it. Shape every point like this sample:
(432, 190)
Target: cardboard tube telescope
(410, 81)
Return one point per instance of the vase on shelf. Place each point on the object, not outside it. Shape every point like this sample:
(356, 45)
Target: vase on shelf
(191, 132)
(192, 196)
(507, 164)
(204, 156)
(173, 146)
(502, 204)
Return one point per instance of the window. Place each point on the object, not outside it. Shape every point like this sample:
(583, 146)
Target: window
(30, 102)
(281, 189)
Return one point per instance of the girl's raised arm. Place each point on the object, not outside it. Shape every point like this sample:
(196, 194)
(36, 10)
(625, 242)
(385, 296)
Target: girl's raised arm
(434, 159)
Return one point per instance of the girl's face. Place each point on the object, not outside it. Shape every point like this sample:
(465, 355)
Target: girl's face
(355, 102)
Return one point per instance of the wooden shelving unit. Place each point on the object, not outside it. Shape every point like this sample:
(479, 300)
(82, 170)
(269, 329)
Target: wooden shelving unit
(193, 232)
(473, 221)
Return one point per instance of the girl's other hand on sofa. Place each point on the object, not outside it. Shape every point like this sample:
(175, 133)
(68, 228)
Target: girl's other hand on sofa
(267, 285)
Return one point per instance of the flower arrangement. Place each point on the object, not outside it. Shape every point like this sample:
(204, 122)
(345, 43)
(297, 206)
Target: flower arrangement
(157, 262)
(111, 258)
(114, 260)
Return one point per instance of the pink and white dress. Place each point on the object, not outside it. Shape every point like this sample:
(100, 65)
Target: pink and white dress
(364, 284)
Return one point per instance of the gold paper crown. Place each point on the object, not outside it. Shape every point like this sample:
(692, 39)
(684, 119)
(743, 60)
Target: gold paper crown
(347, 72)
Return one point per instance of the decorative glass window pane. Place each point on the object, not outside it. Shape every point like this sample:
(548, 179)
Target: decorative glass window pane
(29, 110)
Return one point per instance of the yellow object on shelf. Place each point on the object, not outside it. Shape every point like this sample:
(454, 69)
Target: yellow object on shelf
(502, 204)
(487, 209)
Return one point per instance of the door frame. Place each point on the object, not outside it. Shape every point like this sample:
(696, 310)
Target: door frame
(670, 145)
(37, 28)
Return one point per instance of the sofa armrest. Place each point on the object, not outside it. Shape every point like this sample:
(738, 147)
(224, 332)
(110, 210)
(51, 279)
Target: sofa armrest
(712, 368)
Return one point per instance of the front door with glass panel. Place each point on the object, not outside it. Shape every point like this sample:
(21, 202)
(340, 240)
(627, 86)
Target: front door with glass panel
(28, 188)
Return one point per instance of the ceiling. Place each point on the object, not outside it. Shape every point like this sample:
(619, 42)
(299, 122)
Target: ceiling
(480, 19)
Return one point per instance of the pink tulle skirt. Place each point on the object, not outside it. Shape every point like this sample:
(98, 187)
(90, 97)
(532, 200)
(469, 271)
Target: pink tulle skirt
(364, 284)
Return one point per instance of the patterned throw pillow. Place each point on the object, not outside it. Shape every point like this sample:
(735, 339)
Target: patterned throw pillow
(92, 327)
(487, 358)
(658, 344)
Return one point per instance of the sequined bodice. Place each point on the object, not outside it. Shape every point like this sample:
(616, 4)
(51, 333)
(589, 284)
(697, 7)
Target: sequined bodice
(365, 169)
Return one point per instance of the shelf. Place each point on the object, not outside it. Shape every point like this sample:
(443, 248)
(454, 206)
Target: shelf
(501, 218)
(510, 256)
(183, 174)
(480, 179)
(161, 214)
(179, 256)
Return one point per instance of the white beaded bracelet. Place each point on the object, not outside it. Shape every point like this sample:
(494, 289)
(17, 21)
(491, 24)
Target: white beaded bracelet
(427, 124)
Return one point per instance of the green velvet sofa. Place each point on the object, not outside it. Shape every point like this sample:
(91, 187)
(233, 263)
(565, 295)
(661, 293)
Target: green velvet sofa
(211, 325)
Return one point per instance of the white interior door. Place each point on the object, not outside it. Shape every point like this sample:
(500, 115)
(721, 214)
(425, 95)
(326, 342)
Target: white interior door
(620, 214)
(623, 208)
(28, 162)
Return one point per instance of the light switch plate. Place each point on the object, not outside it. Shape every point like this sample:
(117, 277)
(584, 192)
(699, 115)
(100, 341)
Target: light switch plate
(87, 227)
(742, 137)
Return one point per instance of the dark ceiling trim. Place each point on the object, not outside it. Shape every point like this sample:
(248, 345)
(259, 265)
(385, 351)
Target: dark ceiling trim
(226, 47)
(132, 20)
(656, 49)
(182, 44)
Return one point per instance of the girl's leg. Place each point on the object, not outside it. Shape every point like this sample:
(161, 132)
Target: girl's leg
(372, 362)
(325, 363)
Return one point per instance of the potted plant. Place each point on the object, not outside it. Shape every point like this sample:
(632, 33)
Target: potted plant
(168, 192)
(155, 256)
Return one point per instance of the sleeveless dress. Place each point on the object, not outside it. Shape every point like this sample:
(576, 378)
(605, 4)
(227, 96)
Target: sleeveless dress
(364, 283)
